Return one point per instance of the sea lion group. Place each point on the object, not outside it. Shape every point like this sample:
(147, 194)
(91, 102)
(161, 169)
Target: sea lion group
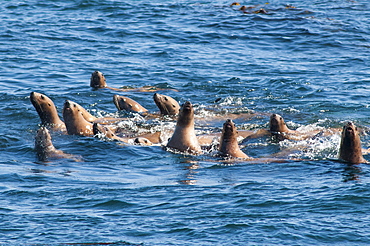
(183, 138)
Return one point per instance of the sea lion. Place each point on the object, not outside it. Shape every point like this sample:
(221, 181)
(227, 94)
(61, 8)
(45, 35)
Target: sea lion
(277, 129)
(100, 129)
(280, 131)
(144, 139)
(47, 111)
(128, 104)
(98, 81)
(350, 150)
(184, 138)
(166, 104)
(45, 148)
(75, 122)
(228, 142)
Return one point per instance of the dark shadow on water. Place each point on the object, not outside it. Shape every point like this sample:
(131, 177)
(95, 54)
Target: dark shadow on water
(351, 172)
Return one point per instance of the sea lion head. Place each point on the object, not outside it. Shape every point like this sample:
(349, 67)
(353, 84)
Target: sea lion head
(128, 104)
(166, 104)
(186, 114)
(87, 116)
(75, 122)
(235, 4)
(100, 129)
(97, 80)
(43, 138)
(229, 143)
(43, 143)
(277, 124)
(350, 146)
(45, 108)
(70, 109)
(229, 132)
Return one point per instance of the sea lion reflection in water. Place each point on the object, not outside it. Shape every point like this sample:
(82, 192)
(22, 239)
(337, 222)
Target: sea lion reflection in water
(98, 81)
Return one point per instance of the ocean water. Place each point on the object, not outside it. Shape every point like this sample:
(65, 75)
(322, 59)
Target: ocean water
(305, 60)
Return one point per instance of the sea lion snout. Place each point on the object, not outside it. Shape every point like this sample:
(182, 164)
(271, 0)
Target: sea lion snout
(350, 125)
(187, 105)
(229, 124)
(34, 96)
(70, 106)
(67, 104)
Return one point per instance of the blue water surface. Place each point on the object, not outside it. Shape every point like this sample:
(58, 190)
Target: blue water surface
(305, 60)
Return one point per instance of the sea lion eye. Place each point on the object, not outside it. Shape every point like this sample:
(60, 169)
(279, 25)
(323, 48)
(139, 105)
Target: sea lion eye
(42, 97)
(166, 98)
